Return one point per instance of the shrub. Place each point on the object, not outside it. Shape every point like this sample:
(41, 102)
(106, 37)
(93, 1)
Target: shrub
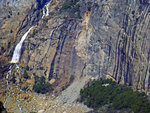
(9, 44)
(8, 16)
(27, 68)
(89, 6)
(56, 8)
(25, 75)
(41, 86)
(34, 32)
(67, 5)
(51, 13)
(11, 31)
(13, 79)
(96, 5)
(73, 7)
(41, 68)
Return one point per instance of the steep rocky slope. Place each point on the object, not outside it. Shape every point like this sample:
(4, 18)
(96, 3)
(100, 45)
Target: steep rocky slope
(101, 38)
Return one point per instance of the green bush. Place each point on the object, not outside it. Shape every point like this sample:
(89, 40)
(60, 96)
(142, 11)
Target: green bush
(41, 68)
(56, 8)
(27, 68)
(73, 7)
(41, 86)
(8, 16)
(11, 31)
(25, 75)
(67, 5)
(34, 33)
(96, 5)
(117, 96)
(51, 13)
(13, 79)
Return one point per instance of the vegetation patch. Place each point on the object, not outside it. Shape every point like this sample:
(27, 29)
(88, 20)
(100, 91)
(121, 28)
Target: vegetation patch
(41, 86)
(25, 75)
(73, 7)
(13, 79)
(34, 33)
(106, 92)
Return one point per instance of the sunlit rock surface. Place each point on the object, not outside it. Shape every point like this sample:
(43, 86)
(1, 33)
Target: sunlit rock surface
(111, 40)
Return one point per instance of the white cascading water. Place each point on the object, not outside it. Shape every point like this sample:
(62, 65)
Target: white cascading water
(44, 13)
(46, 10)
(17, 52)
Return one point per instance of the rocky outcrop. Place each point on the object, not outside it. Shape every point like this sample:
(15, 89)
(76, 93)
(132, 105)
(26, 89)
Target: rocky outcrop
(2, 109)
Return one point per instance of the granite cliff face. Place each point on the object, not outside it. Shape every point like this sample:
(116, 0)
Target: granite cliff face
(123, 31)
(110, 39)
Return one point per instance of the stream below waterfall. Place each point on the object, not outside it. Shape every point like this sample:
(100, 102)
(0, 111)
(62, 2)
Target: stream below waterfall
(8, 87)
(9, 90)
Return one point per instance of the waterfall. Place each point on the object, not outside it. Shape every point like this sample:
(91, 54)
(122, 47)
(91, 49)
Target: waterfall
(17, 52)
(46, 10)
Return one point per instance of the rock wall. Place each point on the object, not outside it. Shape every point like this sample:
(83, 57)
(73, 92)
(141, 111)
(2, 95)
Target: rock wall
(110, 40)
(122, 28)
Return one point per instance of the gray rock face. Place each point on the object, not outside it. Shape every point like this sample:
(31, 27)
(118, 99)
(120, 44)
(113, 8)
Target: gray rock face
(122, 28)
(112, 39)
(17, 3)
(145, 1)
(20, 3)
